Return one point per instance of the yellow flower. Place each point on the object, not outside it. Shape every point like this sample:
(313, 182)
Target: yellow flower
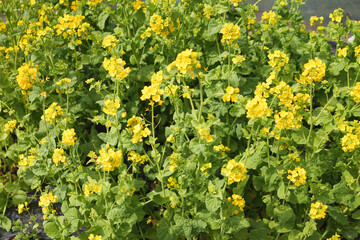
(10, 126)
(257, 107)
(357, 51)
(109, 42)
(238, 59)
(222, 149)
(235, 2)
(231, 94)
(111, 106)
(26, 75)
(316, 20)
(237, 200)
(115, 67)
(337, 15)
(278, 59)
(172, 183)
(52, 112)
(137, 5)
(314, 71)
(235, 171)
(93, 2)
(137, 127)
(47, 199)
(26, 161)
(185, 62)
(147, 33)
(91, 188)
(97, 237)
(342, 52)
(350, 142)
(230, 33)
(68, 137)
(208, 10)
(269, 16)
(170, 139)
(161, 26)
(109, 159)
(21, 207)
(318, 210)
(205, 134)
(334, 237)
(297, 176)
(153, 92)
(355, 92)
(137, 158)
(58, 156)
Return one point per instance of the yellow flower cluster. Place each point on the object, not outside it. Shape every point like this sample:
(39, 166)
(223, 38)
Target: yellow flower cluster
(208, 10)
(115, 67)
(58, 156)
(337, 15)
(173, 158)
(153, 92)
(93, 2)
(46, 200)
(109, 159)
(230, 33)
(257, 107)
(97, 237)
(269, 16)
(10, 126)
(205, 134)
(235, 171)
(222, 149)
(237, 200)
(278, 59)
(26, 161)
(52, 112)
(109, 42)
(161, 26)
(342, 52)
(318, 210)
(138, 4)
(204, 167)
(26, 75)
(68, 137)
(111, 106)
(235, 2)
(355, 92)
(91, 188)
(238, 59)
(314, 71)
(137, 127)
(334, 237)
(137, 158)
(231, 94)
(357, 51)
(172, 183)
(70, 26)
(350, 142)
(21, 207)
(63, 81)
(316, 20)
(297, 176)
(185, 62)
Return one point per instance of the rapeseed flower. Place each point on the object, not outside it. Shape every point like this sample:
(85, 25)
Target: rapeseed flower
(97, 237)
(46, 200)
(137, 158)
(350, 142)
(238, 201)
(334, 237)
(337, 15)
(109, 159)
(153, 92)
(318, 210)
(91, 188)
(172, 183)
(257, 107)
(10, 126)
(205, 134)
(115, 67)
(111, 106)
(68, 137)
(185, 62)
(58, 156)
(278, 59)
(314, 71)
(231, 94)
(297, 176)
(230, 33)
(52, 112)
(26, 161)
(138, 4)
(26, 75)
(109, 42)
(137, 127)
(235, 171)
(355, 92)
(342, 52)
(269, 16)
(208, 10)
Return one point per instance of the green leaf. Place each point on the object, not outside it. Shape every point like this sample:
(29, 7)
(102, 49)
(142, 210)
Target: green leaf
(52, 230)
(214, 28)
(356, 215)
(286, 218)
(235, 223)
(300, 135)
(212, 203)
(6, 223)
(281, 192)
(102, 19)
(337, 215)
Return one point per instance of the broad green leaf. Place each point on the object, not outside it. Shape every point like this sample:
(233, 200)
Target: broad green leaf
(286, 218)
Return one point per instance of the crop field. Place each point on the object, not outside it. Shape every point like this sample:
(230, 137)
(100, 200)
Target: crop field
(188, 119)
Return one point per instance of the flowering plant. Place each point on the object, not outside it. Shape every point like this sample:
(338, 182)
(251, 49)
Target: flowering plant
(163, 119)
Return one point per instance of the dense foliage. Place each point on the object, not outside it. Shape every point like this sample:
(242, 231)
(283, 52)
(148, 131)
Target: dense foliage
(185, 119)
